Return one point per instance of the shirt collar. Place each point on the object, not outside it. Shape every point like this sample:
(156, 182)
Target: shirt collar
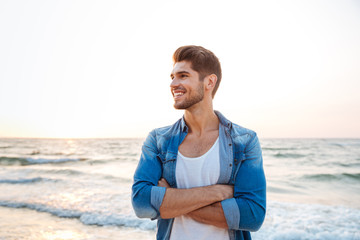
(226, 123)
(184, 128)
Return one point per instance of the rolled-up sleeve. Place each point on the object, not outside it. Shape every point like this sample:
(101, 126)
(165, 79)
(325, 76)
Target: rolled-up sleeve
(146, 196)
(246, 211)
(231, 212)
(157, 196)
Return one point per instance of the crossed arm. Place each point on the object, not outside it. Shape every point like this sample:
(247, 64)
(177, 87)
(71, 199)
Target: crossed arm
(151, 200)
(201, 203)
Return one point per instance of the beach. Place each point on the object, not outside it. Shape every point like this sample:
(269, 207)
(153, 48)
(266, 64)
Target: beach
(80, 189)
(26, 224)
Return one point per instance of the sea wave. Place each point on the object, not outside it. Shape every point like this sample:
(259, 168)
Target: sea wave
(88, 218)
(69, 213)
(289, 155)
(38, 152)
(281, 190)
(348, 165)
(286, 221)
(116, 220)
(5, 147)
(35, 152)
(30, 161)
(61, 171)
(330, 177)
(45, 160)
(277, 148)
(79, 174)
(340, 145)
(26, 180)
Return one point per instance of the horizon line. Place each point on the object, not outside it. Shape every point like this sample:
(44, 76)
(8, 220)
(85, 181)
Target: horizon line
(68, 138)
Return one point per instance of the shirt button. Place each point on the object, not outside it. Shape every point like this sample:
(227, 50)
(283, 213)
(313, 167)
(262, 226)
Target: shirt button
(230, 165)
(229, 144)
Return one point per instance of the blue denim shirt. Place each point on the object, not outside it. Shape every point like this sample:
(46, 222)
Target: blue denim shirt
(241, 165)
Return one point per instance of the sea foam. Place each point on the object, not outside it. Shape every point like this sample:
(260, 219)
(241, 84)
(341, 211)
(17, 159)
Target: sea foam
(89, 218)
(26, 180)
(287, 221)
(284, 221)
(30, 161)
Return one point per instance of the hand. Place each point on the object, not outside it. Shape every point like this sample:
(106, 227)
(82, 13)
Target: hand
(226, 191)
(163, 183)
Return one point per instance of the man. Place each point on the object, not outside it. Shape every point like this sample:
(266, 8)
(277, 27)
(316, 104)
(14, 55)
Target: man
(202, 177)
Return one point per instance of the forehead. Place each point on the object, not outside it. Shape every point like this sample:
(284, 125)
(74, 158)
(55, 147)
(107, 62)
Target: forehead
(183, 66)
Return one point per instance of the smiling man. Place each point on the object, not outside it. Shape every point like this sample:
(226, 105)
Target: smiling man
(202, 177)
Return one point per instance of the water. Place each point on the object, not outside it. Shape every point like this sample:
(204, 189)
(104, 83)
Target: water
(80, 189)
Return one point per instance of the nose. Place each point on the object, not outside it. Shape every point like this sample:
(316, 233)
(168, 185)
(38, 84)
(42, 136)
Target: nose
(174, 83)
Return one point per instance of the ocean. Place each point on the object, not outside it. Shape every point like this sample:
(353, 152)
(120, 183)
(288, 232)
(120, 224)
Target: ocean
(80, 189)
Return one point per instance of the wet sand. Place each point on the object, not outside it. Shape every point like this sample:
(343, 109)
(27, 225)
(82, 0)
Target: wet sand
(28, 224)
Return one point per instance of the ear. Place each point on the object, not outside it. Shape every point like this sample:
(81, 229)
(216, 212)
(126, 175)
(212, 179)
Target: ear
(211, 81)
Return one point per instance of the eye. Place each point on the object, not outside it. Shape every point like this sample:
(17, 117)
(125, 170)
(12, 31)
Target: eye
(183, 75)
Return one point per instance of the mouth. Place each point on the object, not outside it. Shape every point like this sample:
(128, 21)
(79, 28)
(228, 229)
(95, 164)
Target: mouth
(178, 94)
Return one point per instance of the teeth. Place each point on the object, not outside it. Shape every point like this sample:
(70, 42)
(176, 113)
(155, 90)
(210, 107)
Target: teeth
(178, 94)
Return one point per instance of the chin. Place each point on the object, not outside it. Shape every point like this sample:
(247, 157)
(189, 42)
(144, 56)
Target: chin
(179, 106)
(182, 107)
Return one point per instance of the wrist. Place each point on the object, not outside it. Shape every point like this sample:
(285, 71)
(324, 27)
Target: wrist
(218, 192)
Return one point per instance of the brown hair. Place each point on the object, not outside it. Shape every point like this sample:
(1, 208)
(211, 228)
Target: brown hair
(202, 61)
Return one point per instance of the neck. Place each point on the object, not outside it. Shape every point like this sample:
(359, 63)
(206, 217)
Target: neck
(201, 120)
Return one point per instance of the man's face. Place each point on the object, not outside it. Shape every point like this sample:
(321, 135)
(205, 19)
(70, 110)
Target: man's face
(186, 88)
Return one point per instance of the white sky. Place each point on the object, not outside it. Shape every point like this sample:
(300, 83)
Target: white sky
(101, 68)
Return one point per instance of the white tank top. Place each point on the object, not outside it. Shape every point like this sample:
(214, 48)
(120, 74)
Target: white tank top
(197, 172)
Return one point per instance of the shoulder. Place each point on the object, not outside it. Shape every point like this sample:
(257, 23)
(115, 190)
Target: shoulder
(238, 130)
(243, 137)
(167, 131)
(160, 136)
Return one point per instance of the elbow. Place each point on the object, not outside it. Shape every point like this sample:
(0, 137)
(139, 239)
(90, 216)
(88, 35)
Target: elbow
(251, 219)
(252, 215)
(258, 221)
(140, 213)
(145, 200)
(255, 227)
(140, 200)
(142, 210)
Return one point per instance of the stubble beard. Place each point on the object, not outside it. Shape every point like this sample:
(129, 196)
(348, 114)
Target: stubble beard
(192, 100)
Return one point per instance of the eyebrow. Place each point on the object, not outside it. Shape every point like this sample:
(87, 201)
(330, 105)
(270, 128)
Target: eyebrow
(181, 72)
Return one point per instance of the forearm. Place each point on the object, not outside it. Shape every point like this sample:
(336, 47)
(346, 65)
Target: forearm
(182, 201)
(212, 215)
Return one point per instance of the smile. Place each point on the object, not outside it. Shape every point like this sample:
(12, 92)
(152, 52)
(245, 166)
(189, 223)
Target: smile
(178, 94)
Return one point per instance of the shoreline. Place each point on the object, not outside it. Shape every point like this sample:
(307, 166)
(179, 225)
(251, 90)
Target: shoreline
(21, 223)
(284, 220)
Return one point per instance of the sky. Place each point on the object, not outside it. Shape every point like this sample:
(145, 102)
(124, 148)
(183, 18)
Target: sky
(98, 69)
